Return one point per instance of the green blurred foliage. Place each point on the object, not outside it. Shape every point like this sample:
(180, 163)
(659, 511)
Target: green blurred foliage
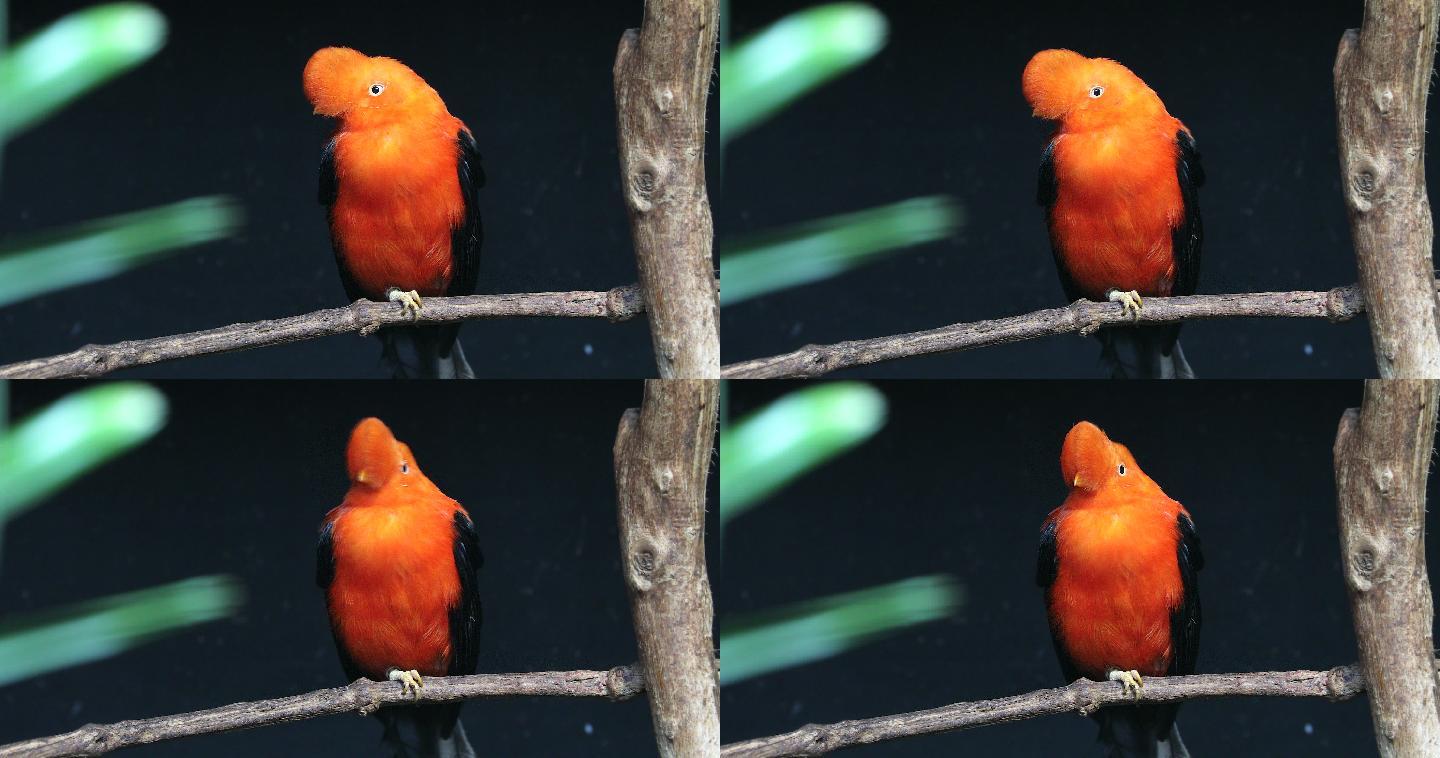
(766, 73)
(764, 452)
(41, 74)
(95, 629)
(823, 248)
(782, 441)
(109, 246)
(62, 442)
(43, 453)
(763, 74)
(59, 443)
(801, 633)
(63, 61)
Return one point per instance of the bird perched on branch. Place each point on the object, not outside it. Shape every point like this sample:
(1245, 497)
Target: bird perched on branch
(397, 561)
(1120, 183)
(1118, 562)
(400, 178)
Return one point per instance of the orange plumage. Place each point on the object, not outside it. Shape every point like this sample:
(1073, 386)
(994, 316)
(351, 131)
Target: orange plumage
(1120, 182)
(395, 576)
(399, 196)
(396, 560)
(400, 179)
(1118, 200)
(1118, 562)
(1118, 579)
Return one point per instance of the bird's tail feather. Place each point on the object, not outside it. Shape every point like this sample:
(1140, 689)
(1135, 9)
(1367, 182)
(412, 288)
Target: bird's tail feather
(1144, 353)
(427, 732)
(1134, 732)
(425, 352)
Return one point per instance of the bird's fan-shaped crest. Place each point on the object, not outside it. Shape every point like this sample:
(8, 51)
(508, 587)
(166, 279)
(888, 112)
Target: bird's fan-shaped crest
(374, 455)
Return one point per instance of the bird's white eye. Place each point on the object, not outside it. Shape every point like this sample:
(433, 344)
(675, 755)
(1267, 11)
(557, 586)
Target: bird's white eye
(1095, 91)
(377, 88)
(405, 467)
(1122, 469)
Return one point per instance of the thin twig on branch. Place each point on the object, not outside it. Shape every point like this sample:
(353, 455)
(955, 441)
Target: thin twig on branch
(662, 80)
(1082, 697)
(1084, 316)
(662, 462)
(1382, 459)
(363, 316)
(1382, 78)
(361, 696)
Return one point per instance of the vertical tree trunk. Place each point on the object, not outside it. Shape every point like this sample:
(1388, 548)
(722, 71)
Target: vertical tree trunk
(1382, 78)
(662, 79)
(1382, 459)
(662, 462)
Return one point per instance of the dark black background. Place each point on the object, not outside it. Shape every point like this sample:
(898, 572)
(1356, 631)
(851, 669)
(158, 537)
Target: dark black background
(939, 110)
(238, 482)
(220, 110)
(959, 481)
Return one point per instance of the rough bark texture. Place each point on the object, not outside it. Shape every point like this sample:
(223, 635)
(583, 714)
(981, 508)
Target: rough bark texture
(1382, 78)
(1382, 459)
(1082, 696)
(361, 696)
(662, 461)
(662, 79)
(1082, 316)
(362, 316)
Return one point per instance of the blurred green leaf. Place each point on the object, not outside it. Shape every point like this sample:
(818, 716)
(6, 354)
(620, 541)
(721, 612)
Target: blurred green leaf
(797, 634)
(765, 72)
(105, 247)
(825, 247)
(766, 450)
(61, 62)
(73, 435)
(95, 629)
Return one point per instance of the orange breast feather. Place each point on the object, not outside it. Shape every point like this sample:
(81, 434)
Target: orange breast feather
(1118, 203)
(395, 582)
(399, 200)
(1117, 583)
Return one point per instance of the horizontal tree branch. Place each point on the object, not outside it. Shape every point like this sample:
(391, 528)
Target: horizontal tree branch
(1083, 316)
(361, 696)
(363, 316)
(1083, 697)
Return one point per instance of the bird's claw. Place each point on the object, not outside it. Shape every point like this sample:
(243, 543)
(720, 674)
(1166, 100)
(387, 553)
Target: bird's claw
(409, 300)
(1130, 302)
(410, 681)
(1131, 680)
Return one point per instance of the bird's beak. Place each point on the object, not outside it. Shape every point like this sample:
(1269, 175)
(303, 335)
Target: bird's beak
(363, 476)
(1076, 483)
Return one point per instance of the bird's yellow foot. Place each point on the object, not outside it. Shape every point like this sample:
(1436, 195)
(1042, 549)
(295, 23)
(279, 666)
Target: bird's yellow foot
(408, 300)
(1132, 681)
(410, 681)
(1130, 301)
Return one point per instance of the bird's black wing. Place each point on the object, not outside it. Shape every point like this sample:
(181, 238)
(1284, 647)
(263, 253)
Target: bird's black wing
(324, 575)
(465, 617)
(464, 624)
(1046, 193)
(465, 239)
(1047, 566)
(1186, 239)
(329, 191)
(1185, 618)
(1047, 563)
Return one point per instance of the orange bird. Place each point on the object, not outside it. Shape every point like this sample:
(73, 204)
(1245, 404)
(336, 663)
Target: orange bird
(1119, 562)
(400, 178)
(397, 561)
(1120, 183)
